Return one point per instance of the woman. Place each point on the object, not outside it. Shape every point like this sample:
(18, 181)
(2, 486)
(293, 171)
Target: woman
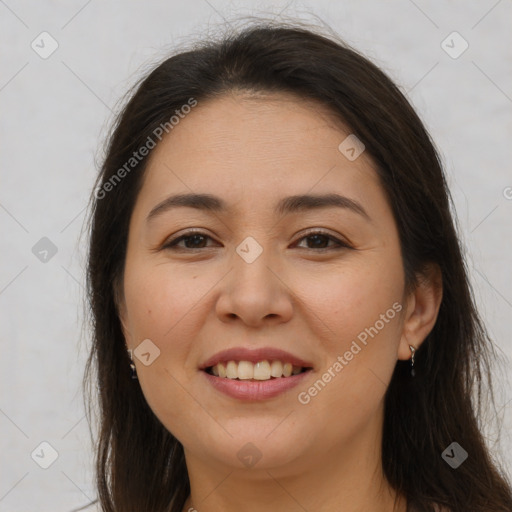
(282, 315)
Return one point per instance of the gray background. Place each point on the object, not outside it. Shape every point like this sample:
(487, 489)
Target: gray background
(55, 114)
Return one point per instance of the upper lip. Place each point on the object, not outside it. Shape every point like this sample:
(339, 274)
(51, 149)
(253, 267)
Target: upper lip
(254, 356)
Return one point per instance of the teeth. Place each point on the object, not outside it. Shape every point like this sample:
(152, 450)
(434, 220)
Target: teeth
(221, 369)
(262, 370)
(276, 369)
(232, 370)
(245, 370)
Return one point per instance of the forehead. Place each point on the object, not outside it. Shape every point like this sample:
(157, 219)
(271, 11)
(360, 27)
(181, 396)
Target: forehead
(256, 148)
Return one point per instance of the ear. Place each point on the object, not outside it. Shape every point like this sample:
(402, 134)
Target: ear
(421, 310)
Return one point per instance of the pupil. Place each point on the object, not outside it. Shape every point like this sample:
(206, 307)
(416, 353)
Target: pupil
(195, 238)
(317, 238)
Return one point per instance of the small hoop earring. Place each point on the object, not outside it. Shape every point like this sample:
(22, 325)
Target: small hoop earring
(132, 365)
(413, 350)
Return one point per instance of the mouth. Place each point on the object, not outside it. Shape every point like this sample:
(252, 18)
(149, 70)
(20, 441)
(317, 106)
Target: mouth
(255, 374)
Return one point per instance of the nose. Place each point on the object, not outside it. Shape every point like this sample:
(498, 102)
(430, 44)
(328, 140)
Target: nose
(255, 292)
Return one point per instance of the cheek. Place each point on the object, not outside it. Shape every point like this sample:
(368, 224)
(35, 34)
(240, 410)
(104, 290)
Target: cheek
(362, 309)
(355, 297)
(160, 306)
(175, 307)
(170, 304)
(159, 300)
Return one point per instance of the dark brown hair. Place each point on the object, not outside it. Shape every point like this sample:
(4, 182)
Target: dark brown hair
(140, 466)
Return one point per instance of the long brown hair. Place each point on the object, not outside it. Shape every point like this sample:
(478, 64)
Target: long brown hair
(140, 466)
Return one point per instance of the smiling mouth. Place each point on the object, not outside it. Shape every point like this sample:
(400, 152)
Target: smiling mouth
(260, 371)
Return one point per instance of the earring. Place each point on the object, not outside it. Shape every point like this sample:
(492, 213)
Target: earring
(413, 350)
(132, 365)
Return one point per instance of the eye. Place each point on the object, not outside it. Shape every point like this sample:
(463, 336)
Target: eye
(320, 238)
(197, 240)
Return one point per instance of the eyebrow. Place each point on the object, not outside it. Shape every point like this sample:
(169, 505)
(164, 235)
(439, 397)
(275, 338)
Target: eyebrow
(291, 204)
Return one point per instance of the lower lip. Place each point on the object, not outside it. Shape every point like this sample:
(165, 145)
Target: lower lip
(254, 389)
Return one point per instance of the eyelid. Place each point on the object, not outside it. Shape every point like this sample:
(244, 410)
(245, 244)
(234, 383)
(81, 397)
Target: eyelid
(340, 242)
(171, 243)
(319, 231)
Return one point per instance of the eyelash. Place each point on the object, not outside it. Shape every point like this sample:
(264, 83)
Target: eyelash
(172, 244)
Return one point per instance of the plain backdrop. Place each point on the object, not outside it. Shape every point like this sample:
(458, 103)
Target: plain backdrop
(55, 112)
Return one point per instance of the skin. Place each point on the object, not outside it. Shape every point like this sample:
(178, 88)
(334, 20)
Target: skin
(252, 151)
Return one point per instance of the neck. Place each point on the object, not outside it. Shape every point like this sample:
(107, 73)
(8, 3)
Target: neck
(349, 478)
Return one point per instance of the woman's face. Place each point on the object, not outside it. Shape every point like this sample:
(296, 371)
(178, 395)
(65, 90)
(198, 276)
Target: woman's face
(260, 277)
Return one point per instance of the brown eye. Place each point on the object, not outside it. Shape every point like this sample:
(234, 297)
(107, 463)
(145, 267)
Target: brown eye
(316, 241)
(319, 240)
(193, 240)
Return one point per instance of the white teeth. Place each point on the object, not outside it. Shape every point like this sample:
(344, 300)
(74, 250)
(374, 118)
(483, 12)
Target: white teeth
(245, 370)
(276, 369)
(232, 370)
(221, 369)
(262, 370)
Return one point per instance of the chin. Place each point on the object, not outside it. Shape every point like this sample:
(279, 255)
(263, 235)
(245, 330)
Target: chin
(259, 451)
